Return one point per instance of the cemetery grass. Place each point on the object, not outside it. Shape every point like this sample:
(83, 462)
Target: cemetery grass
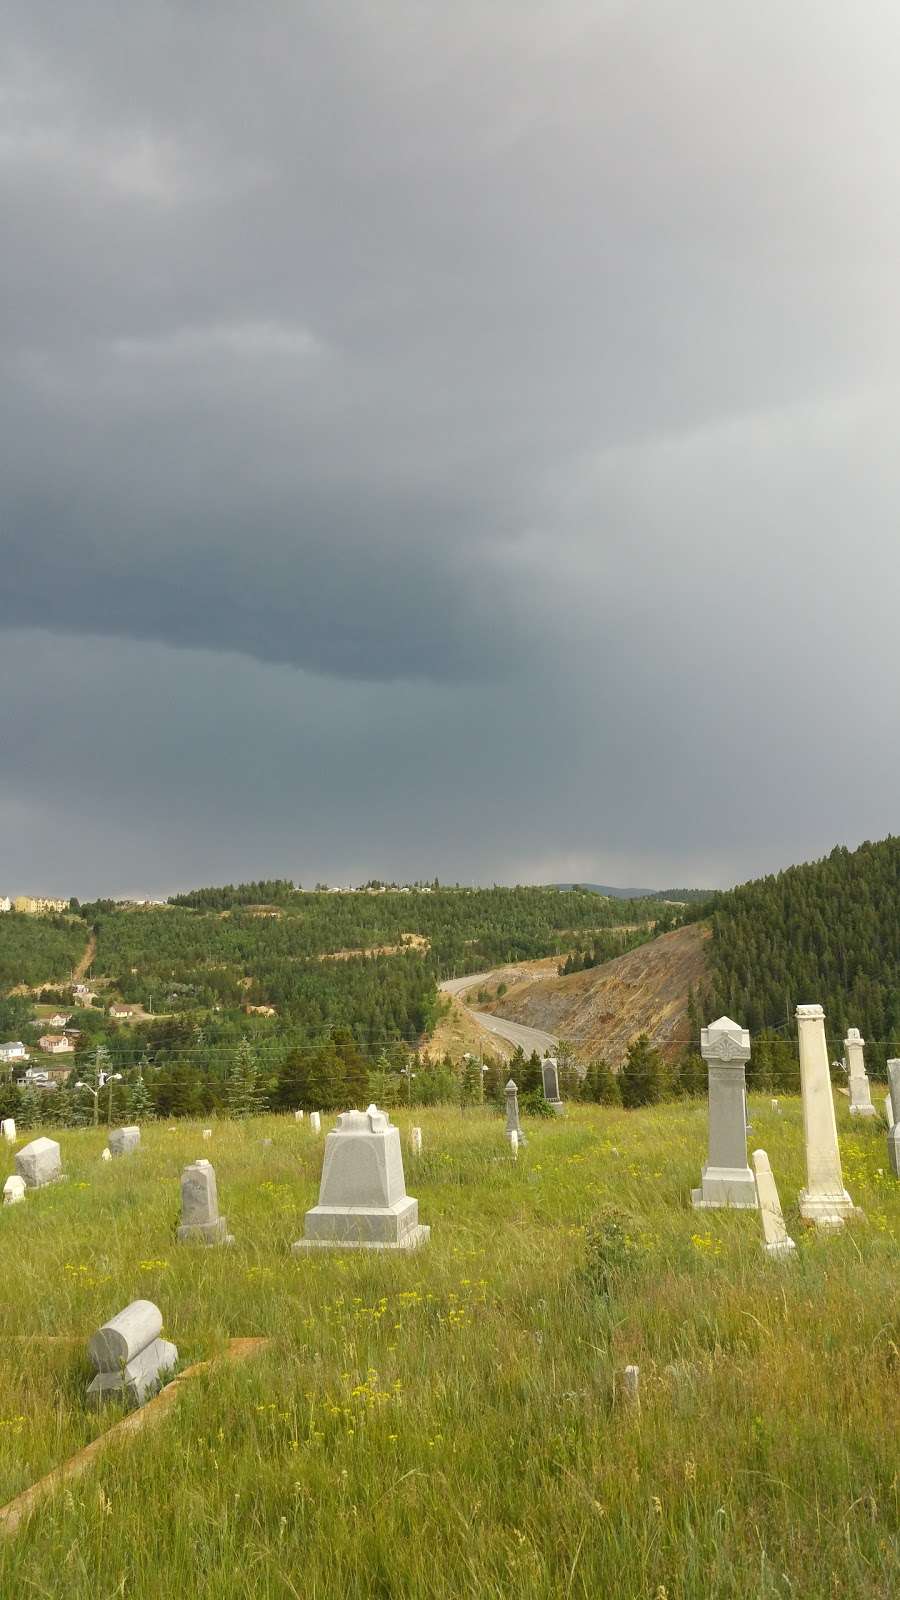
(450, 1422)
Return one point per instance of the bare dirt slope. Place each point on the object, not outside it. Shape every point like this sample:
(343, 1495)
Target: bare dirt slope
(602, 1010)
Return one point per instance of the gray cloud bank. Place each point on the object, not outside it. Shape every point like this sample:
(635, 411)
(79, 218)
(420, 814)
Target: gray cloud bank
(446, 439)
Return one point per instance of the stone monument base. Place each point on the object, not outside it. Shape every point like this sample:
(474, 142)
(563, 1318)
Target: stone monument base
(779, 1247)
(394, 1227)
(862, 1111)
(725, 1186)
(826, 1210)
(205, 1232)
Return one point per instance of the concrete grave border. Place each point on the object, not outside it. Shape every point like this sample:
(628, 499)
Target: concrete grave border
(15, 1512)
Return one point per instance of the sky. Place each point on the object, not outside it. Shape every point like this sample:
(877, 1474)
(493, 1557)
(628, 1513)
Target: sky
(446, 440)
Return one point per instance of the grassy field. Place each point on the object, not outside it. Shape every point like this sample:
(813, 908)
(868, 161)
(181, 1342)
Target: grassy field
(450, 1423)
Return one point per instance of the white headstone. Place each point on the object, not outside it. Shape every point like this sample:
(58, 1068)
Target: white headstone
(514, 1144)
(298, 1116)
(129, 1357)
(892, 1112)
(824, 1201)
(123, 1140)
(315, 1122)
(39, 1163)
(200, 1217)
(415, 1140)
(775, 1106)
(776, 1239)
(8, 1129)
(106, 1155)
(513, 1125)
(857, 1081)
(13, 1190)
(363, 1202)
(726, 1179)
(207, 1133)
(631, 1384)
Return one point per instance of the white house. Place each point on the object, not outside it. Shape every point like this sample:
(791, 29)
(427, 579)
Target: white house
(55, 1044)
(59, 1020)
(13, 1050)
(5, 903)
(120, 1010)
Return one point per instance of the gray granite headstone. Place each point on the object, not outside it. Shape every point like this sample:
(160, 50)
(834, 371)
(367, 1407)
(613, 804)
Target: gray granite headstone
(857, 1079)
(726, 1179)
(129, 1357)
(123, 1140)
(550, 1080)
(363, 1203)
(200, 1217)
(39, 1163)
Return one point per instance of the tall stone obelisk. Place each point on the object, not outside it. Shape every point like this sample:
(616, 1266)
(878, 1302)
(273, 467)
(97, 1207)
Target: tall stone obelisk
(824, 1201)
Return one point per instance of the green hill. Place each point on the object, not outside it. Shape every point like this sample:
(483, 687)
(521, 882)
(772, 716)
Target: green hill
(828, 931)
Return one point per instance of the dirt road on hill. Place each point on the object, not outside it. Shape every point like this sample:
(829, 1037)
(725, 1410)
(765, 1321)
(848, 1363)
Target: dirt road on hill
(602, 1010)
(500, 1028)
(81, 971)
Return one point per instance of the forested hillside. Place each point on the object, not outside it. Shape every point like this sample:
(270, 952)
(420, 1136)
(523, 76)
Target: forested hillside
(37, 950)
(826, 932)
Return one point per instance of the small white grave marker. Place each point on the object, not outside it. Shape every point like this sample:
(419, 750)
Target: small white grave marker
(8, 1129)
(315, 1122)
(13, 1190)
(415, 1139)
(631, 1384)
(106, 1155)
(207, 1133)
(776, 1239)
(298, 1116)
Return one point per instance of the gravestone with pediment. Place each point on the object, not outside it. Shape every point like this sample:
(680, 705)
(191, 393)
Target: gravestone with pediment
(857, 1079)
(726, 1179)
(363, 1203)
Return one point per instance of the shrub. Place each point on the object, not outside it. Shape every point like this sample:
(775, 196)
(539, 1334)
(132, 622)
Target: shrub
(534, 1104)
(611, 1248)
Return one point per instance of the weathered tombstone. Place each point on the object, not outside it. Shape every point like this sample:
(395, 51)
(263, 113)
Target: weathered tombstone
(315, 1122)
(207, 1133)
(39, 1163)
(776, 1106)
(892, 1107)
(123, 1140)
(266, 1144)
(13, 1190)
(363, 1203)
(106, 1155)
(776, 1239)
(824, 1201)
(726, 1179)
(513, 1124)
(888, 1111)
(631, 1385)
(200, 1217)
(8, 1129)
(129, 1356)
(857, 1080)
(514, 1144)
(550, 1081)
(298, 1116)
(415, 1140)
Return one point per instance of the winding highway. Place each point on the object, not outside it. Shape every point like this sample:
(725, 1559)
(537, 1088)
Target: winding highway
(515, 1033)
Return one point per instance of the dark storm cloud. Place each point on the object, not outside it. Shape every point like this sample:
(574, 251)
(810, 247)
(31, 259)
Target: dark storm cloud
(526, 375)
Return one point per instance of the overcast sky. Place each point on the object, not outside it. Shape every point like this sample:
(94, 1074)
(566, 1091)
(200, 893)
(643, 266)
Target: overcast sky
(454, 439)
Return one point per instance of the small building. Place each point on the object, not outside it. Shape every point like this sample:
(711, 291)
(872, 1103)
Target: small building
(122, 1012)
(55, 1044)
(260, 1011)
(58, 1020)
(5, 903)
(38, 905)
(46, 1077)
(13, 1050)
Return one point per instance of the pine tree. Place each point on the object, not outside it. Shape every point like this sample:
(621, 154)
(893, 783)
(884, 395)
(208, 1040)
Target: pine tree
(601, 1085)
(139, 1099)
(643, 1077)
(244, 1093)
(355, 1069)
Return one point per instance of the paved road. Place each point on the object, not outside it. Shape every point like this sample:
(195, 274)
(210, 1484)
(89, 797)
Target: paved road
(514, 1033)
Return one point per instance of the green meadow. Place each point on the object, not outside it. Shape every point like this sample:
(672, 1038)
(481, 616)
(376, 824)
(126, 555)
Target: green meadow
(451, 1422)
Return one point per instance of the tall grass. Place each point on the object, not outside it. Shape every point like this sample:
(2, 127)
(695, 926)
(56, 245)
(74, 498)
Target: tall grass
(449, 1423)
